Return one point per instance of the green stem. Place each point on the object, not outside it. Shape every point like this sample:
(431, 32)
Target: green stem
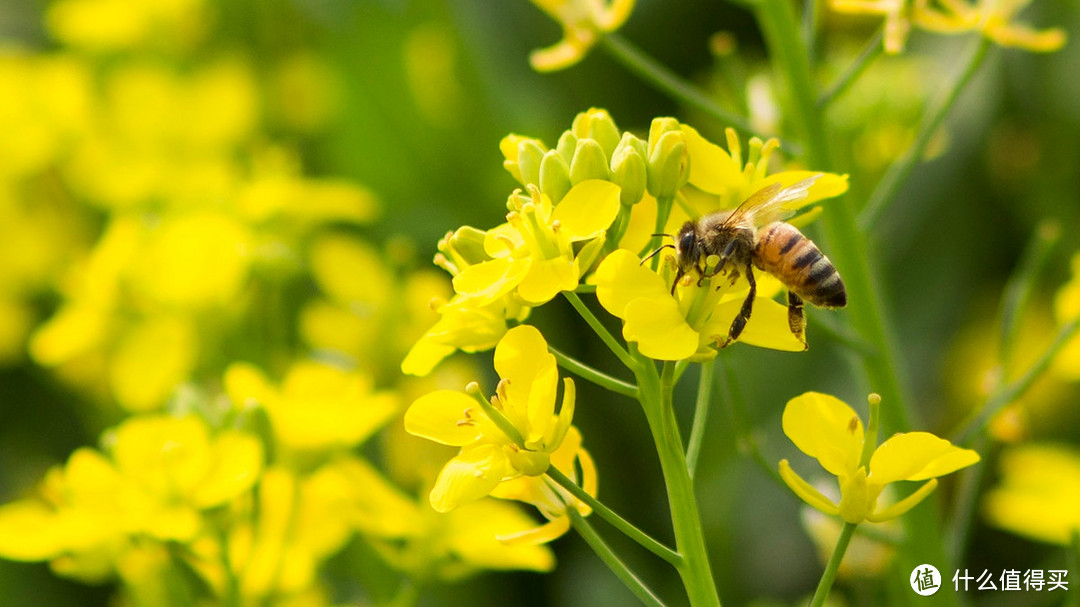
(871, 51)
(1020, 286)
(827, 578)
(1015, 389)
(701, 415)
(1073, 559)
(612, 517)
(846, 243)
(967, 494)
(899, 170)
(598, 328)
(668, 82)
(744, 435)
(599, 378)
(655, 396)
(663, 212)
(612, 560)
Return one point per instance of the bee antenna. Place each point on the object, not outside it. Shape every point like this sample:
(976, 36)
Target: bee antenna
(653, 254)
(671, 236)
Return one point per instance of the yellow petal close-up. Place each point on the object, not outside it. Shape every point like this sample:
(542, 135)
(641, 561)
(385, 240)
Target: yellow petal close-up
(587, 209)
(825, 428)
(621, 278)
(917, 456)
(711, 167)
(659, 329)
(545, 279)
(767, 327)
(469, 476)
(439, 416)
(485, 282)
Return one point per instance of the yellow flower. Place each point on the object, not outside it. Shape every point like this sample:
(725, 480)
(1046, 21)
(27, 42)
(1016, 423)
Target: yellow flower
(550, 499)
(1037, 493)
(897, 14)
(513, 435)
(695, 320)
(467, 323)
(112, 25)
(827, 429)
(994, 19)
(318, 407)
(533, 254)
(582, 21)
(157, 478)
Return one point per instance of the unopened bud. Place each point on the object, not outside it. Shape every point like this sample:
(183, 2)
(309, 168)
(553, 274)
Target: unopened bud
(589, 162)
(554, 176)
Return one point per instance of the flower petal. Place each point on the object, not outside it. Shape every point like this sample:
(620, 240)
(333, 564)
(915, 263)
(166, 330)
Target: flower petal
(546, 278)
(917, 456)
(659, 329)
(767, 327)
(711, 167)
(825, 428)
(469, 476)
(445, 416)
(587, 209)
(543, 534)
(621, 278)
(485, 282)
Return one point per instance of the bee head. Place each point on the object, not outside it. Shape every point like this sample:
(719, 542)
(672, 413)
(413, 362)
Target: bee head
(686, 247)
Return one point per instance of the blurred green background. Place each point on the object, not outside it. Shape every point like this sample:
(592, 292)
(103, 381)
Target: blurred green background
(420, 94)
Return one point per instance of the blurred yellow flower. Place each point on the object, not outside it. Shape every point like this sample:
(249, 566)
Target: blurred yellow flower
(994, 19)
(1037, 493)
(1067, 310)
(116, 25)
(514, 435)
(318, 407)
(583, 22)
(157, 477)
(827, 429)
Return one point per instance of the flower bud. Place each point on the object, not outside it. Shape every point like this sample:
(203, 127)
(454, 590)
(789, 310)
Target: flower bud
(522, 157)
(566, 146)
(628, 169)
(464, 246)
(597, 124)
(589, 162)
(554, 176)
(669, 163)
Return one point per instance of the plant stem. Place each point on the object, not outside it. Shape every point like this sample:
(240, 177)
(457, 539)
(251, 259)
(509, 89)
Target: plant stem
(701, 415)
(871, 51)
(612, 517)
(655, 396)
(846, 243)
(597, 377)
(598, 328)
(1020, 285)
(1013, 390)
(664, 80)
(829, 576)
(612, 560)
(899, 170)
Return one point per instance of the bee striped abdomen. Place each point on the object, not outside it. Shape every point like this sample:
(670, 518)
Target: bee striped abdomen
(784, 252)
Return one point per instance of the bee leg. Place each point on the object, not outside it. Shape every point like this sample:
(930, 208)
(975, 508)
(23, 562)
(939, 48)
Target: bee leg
(743, 316)
(796, 319)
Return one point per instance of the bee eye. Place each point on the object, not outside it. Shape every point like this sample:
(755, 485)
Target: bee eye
(686, 242)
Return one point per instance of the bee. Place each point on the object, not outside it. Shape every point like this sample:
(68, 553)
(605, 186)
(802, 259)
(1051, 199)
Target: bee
(754, 235)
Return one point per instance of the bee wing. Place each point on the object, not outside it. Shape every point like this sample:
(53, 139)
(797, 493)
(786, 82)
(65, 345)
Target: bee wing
(768, 204)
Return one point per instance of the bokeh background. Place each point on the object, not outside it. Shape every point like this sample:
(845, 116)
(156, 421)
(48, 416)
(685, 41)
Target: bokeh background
(379, 120)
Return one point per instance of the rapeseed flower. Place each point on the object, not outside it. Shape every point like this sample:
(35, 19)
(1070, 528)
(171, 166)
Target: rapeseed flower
(1037, 493)
(513, 435)
(156, 479)
(582, 22)
(827, 429)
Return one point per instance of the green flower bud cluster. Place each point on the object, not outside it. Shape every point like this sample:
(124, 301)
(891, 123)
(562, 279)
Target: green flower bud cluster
(594, 148)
